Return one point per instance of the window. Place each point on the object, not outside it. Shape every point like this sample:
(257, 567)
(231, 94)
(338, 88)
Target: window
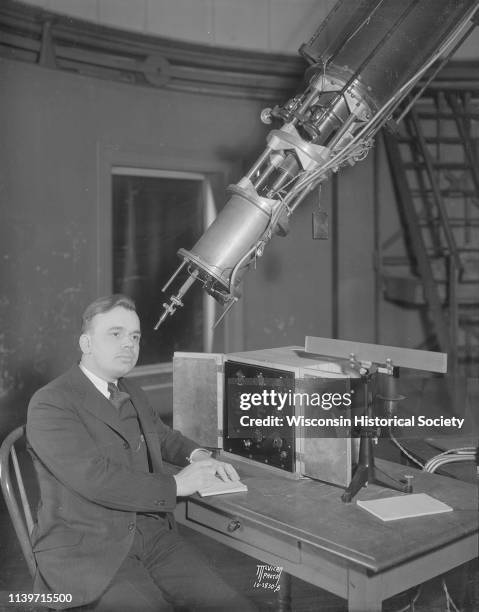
(154, 214)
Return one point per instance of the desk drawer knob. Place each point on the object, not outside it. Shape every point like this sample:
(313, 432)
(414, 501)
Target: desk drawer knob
(233, 525)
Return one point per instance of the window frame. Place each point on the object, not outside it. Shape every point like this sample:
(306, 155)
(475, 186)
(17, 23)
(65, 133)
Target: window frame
(228, 336)
(209, 215)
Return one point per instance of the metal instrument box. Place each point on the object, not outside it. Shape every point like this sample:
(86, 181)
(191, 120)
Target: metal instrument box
(207, 392)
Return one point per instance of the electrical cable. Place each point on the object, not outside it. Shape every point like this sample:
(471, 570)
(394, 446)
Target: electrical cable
(466, 453)
(450, 456)
(411, 604)
(449, 599)
(404, 451)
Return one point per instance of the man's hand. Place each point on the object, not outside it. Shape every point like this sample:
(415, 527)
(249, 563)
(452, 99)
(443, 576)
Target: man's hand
(199, 473)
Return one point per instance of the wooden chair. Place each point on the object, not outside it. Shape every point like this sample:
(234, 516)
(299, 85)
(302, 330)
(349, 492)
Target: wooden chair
(15, 495)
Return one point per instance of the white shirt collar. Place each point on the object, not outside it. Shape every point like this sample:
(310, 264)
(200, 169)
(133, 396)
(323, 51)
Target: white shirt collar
(100, 383)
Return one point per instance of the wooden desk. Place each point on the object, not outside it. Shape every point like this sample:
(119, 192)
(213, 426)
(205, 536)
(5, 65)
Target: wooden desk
(302, 526)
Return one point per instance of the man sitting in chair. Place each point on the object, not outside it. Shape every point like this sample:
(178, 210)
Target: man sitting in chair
(105, 533)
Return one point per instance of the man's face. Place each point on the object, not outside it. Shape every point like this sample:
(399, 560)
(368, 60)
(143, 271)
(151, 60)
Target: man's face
(111, 345)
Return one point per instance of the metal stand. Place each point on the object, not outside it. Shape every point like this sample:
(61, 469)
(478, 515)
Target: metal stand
(366, 472)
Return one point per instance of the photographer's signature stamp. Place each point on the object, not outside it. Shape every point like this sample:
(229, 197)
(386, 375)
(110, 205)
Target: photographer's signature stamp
(267, 577)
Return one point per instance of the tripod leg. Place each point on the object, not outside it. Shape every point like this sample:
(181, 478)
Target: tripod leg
(360, 478)
(385, 480)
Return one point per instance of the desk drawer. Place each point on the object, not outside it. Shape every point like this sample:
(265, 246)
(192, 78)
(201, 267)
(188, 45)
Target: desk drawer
(245, 530)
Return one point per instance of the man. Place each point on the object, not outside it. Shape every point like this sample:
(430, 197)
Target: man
(105, 533)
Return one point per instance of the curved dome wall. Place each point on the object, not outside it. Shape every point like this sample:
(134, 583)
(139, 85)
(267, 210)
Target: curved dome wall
(277, 26)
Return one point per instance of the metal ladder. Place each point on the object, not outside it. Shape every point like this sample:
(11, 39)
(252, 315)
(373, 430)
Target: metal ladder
(434, 165)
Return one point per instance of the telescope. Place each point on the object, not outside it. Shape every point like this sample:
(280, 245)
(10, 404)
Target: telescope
(363, 61)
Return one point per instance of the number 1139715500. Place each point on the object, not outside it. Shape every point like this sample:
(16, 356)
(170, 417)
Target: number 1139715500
(14, 598)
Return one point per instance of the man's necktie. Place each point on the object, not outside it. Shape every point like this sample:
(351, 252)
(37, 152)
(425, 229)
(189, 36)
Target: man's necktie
(117, 397)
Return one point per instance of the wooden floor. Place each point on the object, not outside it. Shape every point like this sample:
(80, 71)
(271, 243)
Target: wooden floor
(240, 571)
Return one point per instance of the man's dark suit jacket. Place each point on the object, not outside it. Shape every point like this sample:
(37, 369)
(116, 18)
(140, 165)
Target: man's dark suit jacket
(89, 493)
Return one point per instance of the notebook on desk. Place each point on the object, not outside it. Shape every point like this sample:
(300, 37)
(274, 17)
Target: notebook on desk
(216, 486)
(404, 506)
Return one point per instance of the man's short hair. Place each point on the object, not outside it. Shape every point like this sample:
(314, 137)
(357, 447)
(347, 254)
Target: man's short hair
(105, 304)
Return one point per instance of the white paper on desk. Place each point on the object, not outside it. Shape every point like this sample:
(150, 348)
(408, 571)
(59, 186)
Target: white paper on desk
(404, 506)
(216, 486)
